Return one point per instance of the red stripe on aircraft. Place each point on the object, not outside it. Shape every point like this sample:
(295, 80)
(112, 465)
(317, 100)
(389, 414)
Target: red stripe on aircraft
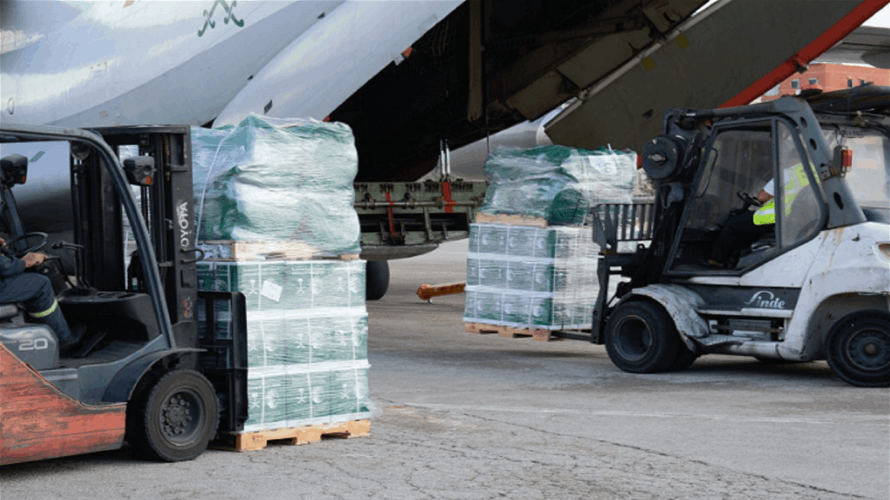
(824, 42)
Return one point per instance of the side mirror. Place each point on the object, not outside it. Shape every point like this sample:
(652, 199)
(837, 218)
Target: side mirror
(140, 170)
(13, 170)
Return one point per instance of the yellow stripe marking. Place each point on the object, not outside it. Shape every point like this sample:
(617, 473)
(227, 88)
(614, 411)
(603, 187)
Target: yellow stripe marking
(46, 313)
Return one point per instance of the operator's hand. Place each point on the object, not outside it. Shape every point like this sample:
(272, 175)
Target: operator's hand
(2, 242)
(32, 259)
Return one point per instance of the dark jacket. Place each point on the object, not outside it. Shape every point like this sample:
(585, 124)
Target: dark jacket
(11, 266)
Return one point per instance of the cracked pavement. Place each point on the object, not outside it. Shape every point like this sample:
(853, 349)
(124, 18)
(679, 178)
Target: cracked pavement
(467, 416)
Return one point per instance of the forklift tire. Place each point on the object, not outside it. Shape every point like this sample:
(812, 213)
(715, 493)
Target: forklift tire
(377, 276)
(858, 348)
(684, 358)
(175, 418)
(641, 338)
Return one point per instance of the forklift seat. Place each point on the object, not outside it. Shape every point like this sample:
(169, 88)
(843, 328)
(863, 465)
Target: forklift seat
(8, 311)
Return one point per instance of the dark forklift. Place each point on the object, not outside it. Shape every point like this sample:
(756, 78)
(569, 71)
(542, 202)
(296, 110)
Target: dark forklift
(813, 285)
(161, 366)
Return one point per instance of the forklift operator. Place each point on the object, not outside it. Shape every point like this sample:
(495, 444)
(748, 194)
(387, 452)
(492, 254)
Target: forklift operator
(35, 292)
(743, 229)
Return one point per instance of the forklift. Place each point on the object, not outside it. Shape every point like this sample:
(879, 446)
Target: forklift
(161, 366)
(813, 284)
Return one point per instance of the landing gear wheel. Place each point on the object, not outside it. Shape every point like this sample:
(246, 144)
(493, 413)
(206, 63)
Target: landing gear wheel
(377, 279)
(641, 338)
(858, 348)
(174, 419)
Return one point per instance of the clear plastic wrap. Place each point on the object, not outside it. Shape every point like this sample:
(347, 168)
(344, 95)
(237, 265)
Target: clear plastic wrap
(528, 277)
(557, 183)
(288, 285)
(296, 395)
(277, 180)
(307, 338)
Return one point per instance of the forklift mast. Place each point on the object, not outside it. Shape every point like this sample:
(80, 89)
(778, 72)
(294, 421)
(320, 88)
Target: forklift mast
(162, 173)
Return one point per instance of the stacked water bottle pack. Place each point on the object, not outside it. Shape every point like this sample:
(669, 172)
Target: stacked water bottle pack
(274, 203)
(532, 262)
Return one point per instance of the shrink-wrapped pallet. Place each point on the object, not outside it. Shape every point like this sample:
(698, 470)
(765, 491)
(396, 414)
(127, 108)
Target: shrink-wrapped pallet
(277, 180)
(542, 275)
(557, 183)
(528, 277)
(307, 338)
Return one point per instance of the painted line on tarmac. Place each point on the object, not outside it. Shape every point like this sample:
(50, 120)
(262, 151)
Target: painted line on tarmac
(865, 420)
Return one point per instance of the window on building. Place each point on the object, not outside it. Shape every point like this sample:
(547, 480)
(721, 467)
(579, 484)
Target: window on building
(813, 81)
(863, 82)
(795, 84)
(850, 82)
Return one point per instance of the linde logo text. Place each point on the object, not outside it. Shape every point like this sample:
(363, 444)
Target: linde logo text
(766, 300)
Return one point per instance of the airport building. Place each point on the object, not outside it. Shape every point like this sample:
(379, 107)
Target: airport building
(829, 77)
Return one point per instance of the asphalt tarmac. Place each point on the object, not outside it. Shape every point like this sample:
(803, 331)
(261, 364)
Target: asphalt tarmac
(468, 416)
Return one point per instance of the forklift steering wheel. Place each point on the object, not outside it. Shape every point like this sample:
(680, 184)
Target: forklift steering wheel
(8, 247)
(749, 200)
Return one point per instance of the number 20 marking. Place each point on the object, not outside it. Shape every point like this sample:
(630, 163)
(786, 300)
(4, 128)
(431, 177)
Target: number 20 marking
(34, 345)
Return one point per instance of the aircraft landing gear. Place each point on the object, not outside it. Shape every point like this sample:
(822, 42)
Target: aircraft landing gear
(377, 279)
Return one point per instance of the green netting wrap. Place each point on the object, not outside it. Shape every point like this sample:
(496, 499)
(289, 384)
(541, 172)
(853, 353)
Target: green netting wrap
(528, 277)
(307, 338)
(275, 180)
(557, 183)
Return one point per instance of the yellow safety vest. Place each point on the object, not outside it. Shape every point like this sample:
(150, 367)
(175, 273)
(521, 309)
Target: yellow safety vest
(796, 182)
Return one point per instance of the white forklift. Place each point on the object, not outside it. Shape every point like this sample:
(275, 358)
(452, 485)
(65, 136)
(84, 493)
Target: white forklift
(810, 281)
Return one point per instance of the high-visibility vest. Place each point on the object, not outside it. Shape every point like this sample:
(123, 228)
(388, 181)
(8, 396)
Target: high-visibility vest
(797, 180)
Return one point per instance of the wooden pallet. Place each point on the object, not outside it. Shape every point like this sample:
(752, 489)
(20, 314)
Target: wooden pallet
(251, 441)
(230, 251)
(511, 220)
(509, 331)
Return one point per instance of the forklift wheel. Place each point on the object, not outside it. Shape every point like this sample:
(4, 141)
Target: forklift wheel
(174, 419)
(684, 358)
(858, 348)
(641, 338)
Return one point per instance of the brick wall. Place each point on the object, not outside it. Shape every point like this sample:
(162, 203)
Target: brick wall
(830, 77)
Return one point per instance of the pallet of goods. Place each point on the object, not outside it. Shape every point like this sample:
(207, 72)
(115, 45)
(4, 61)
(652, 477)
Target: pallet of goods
(531, 266)
(276, 222)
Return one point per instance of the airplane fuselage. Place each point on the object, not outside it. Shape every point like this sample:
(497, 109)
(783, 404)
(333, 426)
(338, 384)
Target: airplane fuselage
(123, 63)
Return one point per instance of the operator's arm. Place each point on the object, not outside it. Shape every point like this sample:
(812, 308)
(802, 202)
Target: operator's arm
(12, 266)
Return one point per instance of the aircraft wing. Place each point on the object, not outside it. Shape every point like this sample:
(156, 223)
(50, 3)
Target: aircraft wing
(728, 55)
(866, 45)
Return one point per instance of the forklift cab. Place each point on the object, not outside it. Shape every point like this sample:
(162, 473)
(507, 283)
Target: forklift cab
(118, 312)
(741, 160)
